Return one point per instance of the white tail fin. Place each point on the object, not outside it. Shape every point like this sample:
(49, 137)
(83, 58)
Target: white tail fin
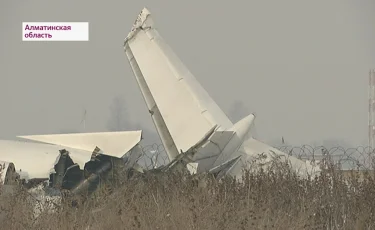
(188, 111)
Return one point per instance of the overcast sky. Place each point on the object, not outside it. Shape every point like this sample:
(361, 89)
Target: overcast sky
(301, 66)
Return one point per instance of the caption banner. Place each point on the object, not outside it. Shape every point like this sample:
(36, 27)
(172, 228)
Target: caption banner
(55, 31)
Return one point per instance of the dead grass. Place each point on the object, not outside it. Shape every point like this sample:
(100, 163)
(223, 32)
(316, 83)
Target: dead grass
(265, 200)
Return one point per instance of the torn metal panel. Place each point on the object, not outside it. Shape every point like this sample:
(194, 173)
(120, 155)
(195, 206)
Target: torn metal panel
(113, 143)
(70, 176)
(35, 160)
(67, 174)
(61, 168)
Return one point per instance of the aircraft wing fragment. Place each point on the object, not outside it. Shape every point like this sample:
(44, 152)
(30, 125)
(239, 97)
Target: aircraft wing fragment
(36, 160)
(114, 144)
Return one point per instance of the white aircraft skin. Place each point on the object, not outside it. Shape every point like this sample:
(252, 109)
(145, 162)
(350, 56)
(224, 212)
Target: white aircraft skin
(37, 160)
(185, 116)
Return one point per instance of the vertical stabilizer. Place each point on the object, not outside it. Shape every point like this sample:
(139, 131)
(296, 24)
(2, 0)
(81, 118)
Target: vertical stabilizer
(187, 111)
(161, 127)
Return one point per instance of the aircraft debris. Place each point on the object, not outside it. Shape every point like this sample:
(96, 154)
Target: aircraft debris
(63, 164)
(192, 127)
(197, 135)
(8, 175)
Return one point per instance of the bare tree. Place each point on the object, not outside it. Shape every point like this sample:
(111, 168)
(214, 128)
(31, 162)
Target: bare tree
(118, 120)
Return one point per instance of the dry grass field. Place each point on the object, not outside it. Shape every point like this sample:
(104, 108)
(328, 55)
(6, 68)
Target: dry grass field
(265, 200)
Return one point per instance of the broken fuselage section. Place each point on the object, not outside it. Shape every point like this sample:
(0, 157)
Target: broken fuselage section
(65, 168)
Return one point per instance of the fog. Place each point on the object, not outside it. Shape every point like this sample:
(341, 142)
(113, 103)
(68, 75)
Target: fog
(301, 66)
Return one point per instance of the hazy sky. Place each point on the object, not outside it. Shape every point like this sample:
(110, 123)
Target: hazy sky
(301, 66)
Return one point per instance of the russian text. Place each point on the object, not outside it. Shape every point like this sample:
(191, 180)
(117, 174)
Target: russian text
(37, 35)
(27, 27)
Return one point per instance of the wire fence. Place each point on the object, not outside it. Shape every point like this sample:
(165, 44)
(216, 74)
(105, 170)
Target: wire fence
(359, 158)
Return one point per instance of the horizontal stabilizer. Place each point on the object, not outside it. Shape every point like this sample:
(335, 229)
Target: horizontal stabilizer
(210, 151)
(112, 143)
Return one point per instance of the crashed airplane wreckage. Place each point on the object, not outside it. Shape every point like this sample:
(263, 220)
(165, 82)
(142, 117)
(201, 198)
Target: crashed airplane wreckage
(193, 129)
(71, 162)
(195, 132)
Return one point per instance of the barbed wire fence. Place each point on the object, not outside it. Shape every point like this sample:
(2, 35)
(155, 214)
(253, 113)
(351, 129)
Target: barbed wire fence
(153, 156)
(359, 158)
